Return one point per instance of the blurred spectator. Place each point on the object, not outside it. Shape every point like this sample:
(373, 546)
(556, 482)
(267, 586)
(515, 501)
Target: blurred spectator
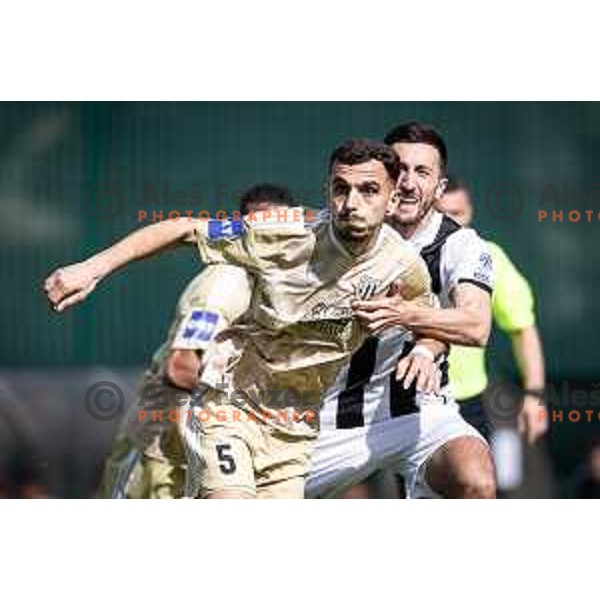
(22, 473)
(587, 479)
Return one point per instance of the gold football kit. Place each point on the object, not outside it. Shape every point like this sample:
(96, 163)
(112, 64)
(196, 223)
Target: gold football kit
(264, 377)
(148, 458)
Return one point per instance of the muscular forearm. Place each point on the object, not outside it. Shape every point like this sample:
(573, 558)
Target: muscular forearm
(140, 244)
(467, 324)
(527, 348)
(452, 325)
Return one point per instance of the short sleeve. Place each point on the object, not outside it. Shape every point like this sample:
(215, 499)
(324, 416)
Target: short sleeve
(225, 242)
(246, 243)
(211, 302)
(467, 259)
(512, 302)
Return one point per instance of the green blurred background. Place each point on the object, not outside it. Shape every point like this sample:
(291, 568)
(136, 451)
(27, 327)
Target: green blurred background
(63, 166)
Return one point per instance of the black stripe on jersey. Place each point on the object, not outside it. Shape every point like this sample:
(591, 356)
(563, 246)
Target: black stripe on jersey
(483, 286)
(445, 379)
(362, 365)
(351, 400)
(432, 254)
(403, 402)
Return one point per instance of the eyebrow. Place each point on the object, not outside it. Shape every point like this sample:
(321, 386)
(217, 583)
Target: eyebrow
(418, 166)
(338, 179)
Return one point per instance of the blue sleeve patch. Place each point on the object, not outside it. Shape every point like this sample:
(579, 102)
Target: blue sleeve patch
(200, 326)
(224, 230)
(484, 270)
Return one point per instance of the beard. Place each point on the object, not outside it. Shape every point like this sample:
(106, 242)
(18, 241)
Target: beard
(355, 235)
(411, 214)
(352, 227)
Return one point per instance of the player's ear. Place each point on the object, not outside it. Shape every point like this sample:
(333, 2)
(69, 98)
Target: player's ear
(392, 203)
(441, 188)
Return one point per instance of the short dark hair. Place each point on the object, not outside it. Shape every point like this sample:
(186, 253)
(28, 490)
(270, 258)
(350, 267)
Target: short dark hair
(358, 151)
(419, 133)
(268, 193)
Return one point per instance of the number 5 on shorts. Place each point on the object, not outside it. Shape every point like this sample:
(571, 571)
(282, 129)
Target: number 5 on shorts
(226, 462)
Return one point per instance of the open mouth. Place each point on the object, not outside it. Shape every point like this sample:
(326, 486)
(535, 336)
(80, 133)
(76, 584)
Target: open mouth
(409, 201)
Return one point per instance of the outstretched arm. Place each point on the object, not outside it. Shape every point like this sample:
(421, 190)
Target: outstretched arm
(69, 285)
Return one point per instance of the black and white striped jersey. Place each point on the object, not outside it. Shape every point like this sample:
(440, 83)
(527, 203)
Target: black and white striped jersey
(366, 390)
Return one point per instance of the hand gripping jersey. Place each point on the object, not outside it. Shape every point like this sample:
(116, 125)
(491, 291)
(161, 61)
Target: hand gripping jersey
(300, 331)
(367, 391)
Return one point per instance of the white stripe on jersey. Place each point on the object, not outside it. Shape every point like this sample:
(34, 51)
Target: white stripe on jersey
(363, 397)
(461, 256)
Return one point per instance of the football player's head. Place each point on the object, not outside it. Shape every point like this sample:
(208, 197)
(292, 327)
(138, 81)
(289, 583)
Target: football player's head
(456, 202)
(423, 159)
(362, 176)
(265, 196)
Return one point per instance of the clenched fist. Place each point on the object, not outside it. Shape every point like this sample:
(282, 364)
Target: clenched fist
(69, 285)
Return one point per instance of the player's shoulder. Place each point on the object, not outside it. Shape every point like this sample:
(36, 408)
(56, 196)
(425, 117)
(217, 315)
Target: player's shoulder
(292, 220)
(394, 245)
(461, 233)
(213, 280)
(257, 223)
(466, 257)
(466, 240)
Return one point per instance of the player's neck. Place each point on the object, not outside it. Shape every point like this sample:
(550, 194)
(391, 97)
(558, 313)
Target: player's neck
(363, 247)
(355, 247)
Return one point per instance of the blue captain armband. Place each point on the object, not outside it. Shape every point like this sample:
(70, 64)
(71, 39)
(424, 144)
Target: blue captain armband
(224, 230)
(196, 330)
